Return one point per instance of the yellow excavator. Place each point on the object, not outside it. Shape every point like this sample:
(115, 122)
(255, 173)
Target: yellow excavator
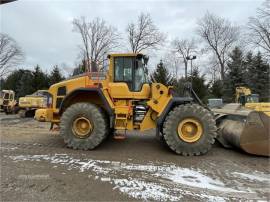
(30, 103)
(251, 101)
(245, 124)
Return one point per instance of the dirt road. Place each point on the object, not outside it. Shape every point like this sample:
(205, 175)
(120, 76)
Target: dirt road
(36, 165)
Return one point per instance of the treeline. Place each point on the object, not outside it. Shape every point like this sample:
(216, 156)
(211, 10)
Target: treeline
(25, 82)
(242, 70)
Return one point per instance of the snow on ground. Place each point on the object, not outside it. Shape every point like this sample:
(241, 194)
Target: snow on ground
(256, 176)
(157, 182)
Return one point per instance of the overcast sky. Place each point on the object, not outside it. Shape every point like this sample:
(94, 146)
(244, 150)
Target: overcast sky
(43, 28)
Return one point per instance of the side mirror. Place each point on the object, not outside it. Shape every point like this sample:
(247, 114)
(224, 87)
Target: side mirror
(145, 59)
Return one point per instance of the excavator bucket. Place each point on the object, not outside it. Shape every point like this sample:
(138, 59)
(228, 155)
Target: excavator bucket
(242, 128)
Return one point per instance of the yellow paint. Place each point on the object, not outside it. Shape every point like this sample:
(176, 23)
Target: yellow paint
(261, 107)
(44, 115)
(33, 101)
(149, 120)
(239, 91)
(160, 97)
(120, 98)
(82, 127)
(257, 106)
(7, 101)
(190, 130)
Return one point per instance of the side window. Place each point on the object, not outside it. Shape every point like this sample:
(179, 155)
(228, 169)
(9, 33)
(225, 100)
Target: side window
(139, 77)
(118, 69)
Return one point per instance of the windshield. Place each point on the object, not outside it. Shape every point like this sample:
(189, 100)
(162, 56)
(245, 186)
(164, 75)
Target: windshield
(6, 96)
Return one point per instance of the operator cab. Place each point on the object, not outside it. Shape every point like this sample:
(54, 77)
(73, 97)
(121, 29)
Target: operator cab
(131, 70)
(252, 98)
(8, 96)
(128, 76)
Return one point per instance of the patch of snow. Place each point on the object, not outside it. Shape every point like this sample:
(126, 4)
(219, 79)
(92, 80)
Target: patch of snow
(8, 148)
(150, 182)
(261, 177)
(194, 178)
(105, 179)
(145, 190)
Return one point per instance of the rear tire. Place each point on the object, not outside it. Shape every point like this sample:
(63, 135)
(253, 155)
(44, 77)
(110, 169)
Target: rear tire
(204, 136)
(93, 115)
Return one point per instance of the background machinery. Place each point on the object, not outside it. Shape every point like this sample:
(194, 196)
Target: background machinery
(91, 106)
(30, 103)
(1, 99)
(251, 101)
(245, 124)
(8, 103)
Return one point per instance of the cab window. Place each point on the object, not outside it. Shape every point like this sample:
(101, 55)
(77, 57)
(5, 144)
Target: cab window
(6, 96)
(123, 70)
(139, 76)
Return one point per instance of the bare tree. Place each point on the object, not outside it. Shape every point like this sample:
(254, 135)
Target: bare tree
(144, 34)
(98, 39)
(259, 29)
(185, 48)
(10, 54)
(173, 62)
(219, 36)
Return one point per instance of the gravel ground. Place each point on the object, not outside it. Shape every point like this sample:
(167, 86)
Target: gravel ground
(36, 165)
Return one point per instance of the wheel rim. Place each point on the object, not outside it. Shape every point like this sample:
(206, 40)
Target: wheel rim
(82, 127)
(190, 130)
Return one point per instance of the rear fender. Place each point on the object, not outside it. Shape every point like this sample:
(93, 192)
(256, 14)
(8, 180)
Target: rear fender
(97, 92)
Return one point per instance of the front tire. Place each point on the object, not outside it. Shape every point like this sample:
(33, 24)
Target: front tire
(83, 126)
(189, 130)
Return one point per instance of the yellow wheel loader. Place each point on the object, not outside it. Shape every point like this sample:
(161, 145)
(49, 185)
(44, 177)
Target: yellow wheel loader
(8, 103)
(245, 124)
(30, 103)
(91, 106)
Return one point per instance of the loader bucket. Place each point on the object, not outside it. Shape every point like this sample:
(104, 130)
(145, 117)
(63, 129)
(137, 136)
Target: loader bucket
(247, 130)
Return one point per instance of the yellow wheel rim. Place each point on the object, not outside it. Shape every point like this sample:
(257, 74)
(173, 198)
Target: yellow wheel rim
(82, 127)
(190, 130)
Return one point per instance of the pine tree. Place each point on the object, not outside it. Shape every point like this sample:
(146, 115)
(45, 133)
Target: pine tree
(40, 79)
(2, 83)
(25, 84)
(55, 75)
(162, 75)
(216, 89)
(258, 77)
(198, 83)
(250, 69)
(235, 75)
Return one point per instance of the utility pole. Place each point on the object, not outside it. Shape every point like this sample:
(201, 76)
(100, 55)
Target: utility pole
(191, 68)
